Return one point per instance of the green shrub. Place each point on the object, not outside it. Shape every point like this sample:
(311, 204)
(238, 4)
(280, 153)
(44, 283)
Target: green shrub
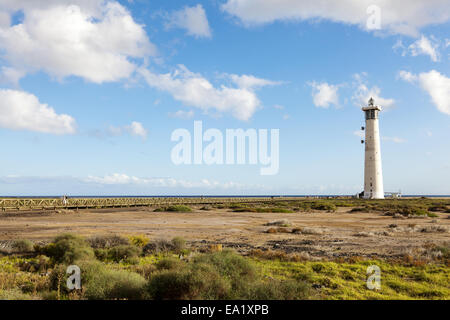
(100, 283)
(174, 208)
(139, 240)
(438, 208)
(237, 269)
(123, 253)
(169, 264)
(324, 206)
(22, 246)
(197, 281)
(179, 244)
(68, 248)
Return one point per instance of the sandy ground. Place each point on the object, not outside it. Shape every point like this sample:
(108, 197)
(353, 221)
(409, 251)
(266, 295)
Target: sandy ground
(241, 231)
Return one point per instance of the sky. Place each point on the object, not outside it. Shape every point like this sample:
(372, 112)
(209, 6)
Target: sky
(91, 92)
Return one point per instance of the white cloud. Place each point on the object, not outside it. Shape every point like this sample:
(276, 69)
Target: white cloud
(123, 179)
(93, 40)
(137, 129)
(250, 82)
(438, 87)
(181, 114)
(195, 91)
(363, 93)
(394, 139)
(324, 94)
(407, 76)
(11, 75)
(134, 129)
(400, 16)
(425, 46)
(192, 19)
(20, 110)
(435, 84)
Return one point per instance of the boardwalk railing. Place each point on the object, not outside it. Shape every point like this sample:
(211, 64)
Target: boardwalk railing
(83, 203)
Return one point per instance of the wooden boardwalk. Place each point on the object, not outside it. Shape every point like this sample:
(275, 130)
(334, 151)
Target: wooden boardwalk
(9, 204)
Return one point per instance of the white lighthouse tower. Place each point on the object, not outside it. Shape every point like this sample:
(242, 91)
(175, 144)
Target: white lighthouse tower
(373, 175)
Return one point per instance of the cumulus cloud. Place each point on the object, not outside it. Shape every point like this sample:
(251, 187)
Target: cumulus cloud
(324, 94)
(192, 19)
(194, 90)
(407, 76)
(137, 129)
(94, 40)
(134, 129)
(363, 93)
(399, 17)
(435, 84)
(20, 110)
(425, 46)
(438, 87)
(124, 179)
(251, 82)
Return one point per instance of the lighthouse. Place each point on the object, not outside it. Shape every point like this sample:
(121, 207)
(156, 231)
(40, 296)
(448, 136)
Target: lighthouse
(373, 176)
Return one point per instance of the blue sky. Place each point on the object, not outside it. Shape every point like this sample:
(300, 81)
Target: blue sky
(91, 91)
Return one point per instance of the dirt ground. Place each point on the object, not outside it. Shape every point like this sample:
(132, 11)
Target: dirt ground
(343, 233)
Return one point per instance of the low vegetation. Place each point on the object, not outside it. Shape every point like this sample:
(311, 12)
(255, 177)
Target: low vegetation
(175, 208)
(115, 267)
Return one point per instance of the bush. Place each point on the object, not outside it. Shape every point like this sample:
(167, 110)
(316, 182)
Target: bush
(197, 281)
(107, 241)
(158, 246)
(179, 244)
(438, 208)
(123, 253)
(221, 275)
(22, 246)
(237, 269)
(324, 207)
(139, 240)
(100, 283)
(68, 248)
(169, 264)
(175, 208)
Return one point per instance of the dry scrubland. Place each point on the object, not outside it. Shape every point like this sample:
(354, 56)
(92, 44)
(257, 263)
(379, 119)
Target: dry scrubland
(291, 249)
